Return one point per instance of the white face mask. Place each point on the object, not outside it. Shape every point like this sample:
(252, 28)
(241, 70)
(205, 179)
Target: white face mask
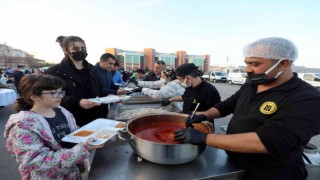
(184, 84)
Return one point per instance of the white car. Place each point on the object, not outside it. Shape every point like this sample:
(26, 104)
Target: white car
(215, 76)
(237, 78)
(311, 78)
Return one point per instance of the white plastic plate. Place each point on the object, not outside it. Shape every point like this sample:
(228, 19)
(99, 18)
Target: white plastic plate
(103, 130)
(109, 99)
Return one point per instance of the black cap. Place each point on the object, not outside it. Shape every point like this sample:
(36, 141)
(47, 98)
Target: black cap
(186, 69)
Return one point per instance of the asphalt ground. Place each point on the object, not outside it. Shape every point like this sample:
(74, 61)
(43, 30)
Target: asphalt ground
(9, 167)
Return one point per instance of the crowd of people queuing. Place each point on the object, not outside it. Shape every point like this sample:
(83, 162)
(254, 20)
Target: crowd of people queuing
(266, 134)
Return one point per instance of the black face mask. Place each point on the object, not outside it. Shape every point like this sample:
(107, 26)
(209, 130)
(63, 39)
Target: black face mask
(259, 79)
(79, 55)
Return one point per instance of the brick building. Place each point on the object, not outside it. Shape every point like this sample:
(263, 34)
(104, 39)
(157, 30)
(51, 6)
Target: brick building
(10, 57)
(131, 60)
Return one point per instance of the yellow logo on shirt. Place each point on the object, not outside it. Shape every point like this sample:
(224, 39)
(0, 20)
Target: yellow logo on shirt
(268, 107)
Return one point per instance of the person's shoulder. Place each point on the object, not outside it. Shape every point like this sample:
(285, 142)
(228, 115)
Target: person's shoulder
(209, 85)
(305, 88)
(151, 73)
(53, 69)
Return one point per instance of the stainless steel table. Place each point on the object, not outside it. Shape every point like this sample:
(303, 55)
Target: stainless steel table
(117, 160)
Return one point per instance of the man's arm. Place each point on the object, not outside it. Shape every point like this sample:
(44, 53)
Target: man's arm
(242, 143)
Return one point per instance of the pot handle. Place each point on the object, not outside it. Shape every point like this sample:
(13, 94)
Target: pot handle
(123, 135)
(133, 144)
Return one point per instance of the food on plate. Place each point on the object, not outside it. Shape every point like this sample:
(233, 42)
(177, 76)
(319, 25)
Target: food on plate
(122, 96)
(120, 125)
(83, 133)
(140, 111)
(105, 134)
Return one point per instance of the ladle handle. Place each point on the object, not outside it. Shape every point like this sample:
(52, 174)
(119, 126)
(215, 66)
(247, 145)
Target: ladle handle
(195, 110)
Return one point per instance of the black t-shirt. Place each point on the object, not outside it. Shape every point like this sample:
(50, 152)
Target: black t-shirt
(151, 76)
(205, 94)
(284, 117)
(59, 127)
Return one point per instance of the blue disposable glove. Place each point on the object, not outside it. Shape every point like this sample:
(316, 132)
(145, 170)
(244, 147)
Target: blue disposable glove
(190, 135)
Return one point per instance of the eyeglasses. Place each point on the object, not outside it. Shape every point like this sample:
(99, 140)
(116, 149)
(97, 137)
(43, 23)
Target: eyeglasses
(56, 94)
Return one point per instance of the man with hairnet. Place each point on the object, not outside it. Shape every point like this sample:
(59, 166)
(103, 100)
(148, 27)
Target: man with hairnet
(275, 114)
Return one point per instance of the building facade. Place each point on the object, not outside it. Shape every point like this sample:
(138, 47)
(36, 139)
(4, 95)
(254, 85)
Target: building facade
(10, 57)
(132, 60)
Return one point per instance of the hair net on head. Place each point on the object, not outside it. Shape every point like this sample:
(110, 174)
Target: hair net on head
(272, 48)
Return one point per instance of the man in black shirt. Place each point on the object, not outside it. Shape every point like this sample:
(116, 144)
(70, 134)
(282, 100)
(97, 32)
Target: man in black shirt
(197, 90)
(275, 114)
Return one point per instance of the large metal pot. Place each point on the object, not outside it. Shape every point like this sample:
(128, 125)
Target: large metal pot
(160, 152)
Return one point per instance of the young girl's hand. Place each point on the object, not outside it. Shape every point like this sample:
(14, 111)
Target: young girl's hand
(92, 147)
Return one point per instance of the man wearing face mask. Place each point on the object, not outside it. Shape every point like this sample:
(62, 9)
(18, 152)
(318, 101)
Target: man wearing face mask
(197, 90)
(81, 81)
(275, 114)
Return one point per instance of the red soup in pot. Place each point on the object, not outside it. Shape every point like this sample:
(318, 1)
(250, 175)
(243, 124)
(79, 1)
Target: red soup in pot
(160, 132)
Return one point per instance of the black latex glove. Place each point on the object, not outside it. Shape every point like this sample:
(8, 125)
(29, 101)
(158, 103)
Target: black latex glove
(134, 81)
(165, 102)
(195, 119)
(139, 89)
(190, 135)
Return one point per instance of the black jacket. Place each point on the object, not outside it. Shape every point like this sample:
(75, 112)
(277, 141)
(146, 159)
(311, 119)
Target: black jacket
(76, 90)
(17, 78)
(151, 76)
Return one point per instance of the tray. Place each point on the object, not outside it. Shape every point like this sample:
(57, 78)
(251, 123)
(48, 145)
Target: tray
(126, 107)
(109, 99)
(101, 130)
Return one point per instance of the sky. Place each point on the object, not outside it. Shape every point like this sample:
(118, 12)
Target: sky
(219, 28)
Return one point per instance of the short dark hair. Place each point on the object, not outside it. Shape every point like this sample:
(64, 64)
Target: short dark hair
(106, 56)
(34, 85)
(160, 62)
(116, 64)
(188, 69)
(140, 71)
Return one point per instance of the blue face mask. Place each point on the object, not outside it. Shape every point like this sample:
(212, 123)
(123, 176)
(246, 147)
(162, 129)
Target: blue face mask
(259, 79)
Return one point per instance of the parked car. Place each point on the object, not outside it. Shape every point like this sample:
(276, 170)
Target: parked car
(311, 78)
(237, 78)
(215, 76)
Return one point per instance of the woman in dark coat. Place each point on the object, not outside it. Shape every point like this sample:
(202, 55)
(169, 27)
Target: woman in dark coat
(81, 81)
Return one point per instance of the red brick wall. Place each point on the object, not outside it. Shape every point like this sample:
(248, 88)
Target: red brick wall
(112, 51)
(181, 58)
(206, 62)
(149, 58)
